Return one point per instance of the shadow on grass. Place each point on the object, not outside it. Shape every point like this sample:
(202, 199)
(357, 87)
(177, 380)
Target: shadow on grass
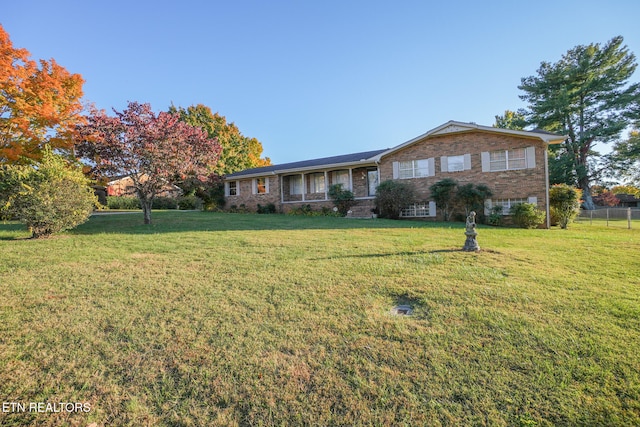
(194, 221)
(181, 221)
(13, 231)
(391, 254)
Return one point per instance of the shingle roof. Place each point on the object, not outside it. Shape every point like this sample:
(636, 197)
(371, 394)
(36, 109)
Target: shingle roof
(313, 163)
(376, 155)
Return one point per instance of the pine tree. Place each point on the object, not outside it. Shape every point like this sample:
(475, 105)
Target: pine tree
(586, 96)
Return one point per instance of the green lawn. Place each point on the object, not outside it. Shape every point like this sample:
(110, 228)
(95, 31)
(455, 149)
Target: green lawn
(221, 319)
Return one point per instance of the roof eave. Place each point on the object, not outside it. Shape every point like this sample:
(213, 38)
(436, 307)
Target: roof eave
(364, 162)
(544, 137)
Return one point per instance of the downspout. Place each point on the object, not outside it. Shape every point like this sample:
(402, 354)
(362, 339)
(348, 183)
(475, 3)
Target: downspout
(546, 182)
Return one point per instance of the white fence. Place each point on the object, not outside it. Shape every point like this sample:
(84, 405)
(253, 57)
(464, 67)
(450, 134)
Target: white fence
(614, 217)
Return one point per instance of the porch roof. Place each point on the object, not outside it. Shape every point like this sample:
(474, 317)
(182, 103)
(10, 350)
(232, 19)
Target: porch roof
(345, 160)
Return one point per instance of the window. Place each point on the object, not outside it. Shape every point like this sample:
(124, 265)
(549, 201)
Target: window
(419, 210)
(316, 182)
(260, 186)
(341, 177)
(517, 158)
(455, 163)
(507, 204)
(232, 188)
(498, 160)
(295, 184)
(413, 169)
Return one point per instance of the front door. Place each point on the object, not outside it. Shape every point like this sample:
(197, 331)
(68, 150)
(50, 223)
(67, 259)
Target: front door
(372, 181)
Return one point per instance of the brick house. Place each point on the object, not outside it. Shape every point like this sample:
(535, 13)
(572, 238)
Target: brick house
(513, 164)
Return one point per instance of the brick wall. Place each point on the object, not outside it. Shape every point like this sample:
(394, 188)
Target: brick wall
(522, 183)
(250, 200)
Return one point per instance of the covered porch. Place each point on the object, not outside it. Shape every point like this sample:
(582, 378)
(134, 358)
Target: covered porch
(313, 185)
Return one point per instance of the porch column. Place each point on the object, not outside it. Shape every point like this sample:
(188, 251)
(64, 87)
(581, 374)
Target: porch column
(304, 187)
(350, 179)
(281, 189)
(326, 186)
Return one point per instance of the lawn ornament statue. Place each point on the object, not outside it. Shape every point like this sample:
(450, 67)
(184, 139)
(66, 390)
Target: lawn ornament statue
(471, 244)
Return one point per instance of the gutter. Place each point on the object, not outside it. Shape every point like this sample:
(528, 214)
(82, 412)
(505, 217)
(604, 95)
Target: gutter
(362, 162)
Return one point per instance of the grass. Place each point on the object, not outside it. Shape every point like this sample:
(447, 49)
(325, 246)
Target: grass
(270, 320)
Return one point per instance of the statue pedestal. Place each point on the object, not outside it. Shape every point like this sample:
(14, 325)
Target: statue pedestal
(471, 244)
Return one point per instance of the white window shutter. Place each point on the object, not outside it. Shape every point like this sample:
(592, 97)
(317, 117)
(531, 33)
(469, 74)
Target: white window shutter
(531, 157)
(226, 188)
(444, 166)
(432, 209)
(237, 188)
(485, 161)
(266, 185)
(533, 200)
(396, 170)
(254, 186)
(487, 207)
(432, 166)
(467, 162)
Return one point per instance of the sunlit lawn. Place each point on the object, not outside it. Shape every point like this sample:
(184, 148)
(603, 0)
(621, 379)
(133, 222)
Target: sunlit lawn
(221, 319)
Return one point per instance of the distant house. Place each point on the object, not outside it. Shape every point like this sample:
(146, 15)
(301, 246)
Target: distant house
(628, 201)
(513, 164)
(123, 186)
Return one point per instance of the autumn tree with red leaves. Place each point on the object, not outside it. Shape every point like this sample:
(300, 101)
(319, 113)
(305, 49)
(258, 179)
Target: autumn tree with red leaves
(39, 104)
(153, 150)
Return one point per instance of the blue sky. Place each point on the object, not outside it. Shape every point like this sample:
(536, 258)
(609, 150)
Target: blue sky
(316, 78)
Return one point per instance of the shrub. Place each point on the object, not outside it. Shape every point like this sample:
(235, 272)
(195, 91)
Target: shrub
(268, 209)
(495, 218)
(123, 202)
(392, 196)
(564, 204)
(473, 197)
(189, 202)
(161, 202)
(342, 199)
(304, 210)
(442, 194)
(208, 190)
(307, 210)
(527, 215)
(49, 197)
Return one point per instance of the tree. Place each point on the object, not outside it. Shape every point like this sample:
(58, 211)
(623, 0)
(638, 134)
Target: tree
(564, 204)
(49, 197)
(626, 189)
(511, 120)
(606, 198)
(625, 158)
(473, 197)
(238, 151)
(392, 197)
(209, 189)
(442, 193)
(39, 104)
(154, 150)
(586, 97)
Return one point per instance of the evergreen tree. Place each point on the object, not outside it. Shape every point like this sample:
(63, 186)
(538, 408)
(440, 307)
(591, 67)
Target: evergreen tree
(586, 96)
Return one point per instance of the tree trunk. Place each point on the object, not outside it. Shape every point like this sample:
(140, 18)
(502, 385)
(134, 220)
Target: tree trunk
(587, 200)
(146, 209)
